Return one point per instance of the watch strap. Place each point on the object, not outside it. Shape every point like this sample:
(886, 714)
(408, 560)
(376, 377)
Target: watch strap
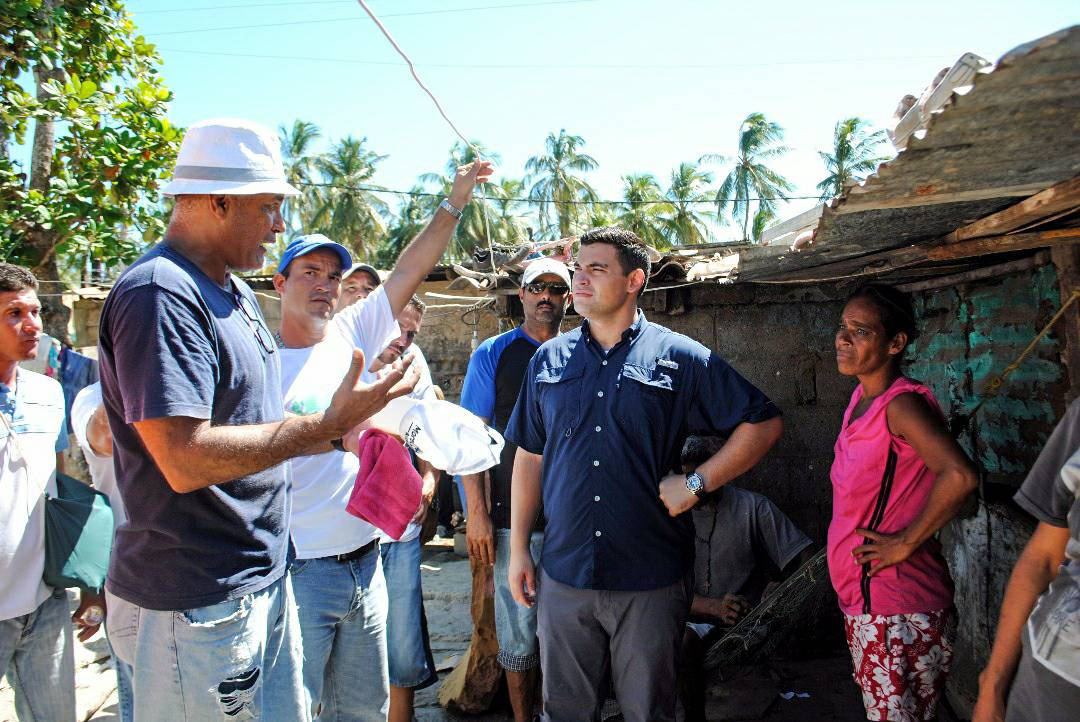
(338, 444)
(455, 212)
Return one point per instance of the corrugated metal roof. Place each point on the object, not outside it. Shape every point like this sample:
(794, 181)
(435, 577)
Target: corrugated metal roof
(1014, 133)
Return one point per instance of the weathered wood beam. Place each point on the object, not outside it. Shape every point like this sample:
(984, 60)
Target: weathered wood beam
(860, 199)
(1055, 199)
(978, 274)
(1003, 244)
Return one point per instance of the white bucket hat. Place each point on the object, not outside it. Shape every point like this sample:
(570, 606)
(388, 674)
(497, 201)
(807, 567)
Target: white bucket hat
(228, 156)
(450, 438)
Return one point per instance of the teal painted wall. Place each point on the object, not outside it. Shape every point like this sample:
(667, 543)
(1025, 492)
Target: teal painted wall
(968, 335)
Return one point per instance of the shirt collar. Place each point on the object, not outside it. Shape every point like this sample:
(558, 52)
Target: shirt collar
(631, 332)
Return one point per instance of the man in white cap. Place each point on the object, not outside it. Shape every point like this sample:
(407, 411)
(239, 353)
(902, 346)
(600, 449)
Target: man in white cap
(337, 575)
(357, 283)
(199, 601)
(492, 382)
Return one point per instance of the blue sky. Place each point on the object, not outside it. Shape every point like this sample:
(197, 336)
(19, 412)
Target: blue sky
(647, 84)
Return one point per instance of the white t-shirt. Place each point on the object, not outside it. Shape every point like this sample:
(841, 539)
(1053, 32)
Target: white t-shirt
(322, 483)
(101, 468)
(424, 389)
(27, 468)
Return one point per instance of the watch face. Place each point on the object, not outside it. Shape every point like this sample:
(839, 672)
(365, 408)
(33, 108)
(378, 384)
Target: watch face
(694, 483)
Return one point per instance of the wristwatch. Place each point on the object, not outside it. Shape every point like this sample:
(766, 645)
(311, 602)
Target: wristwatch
(338, 444)
(695, 484)
(455, 212)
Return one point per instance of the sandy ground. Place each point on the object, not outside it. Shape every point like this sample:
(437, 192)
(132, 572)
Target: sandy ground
(755, 695)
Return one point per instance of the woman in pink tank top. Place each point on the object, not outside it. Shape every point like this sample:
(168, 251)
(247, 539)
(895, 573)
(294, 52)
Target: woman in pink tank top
(898, 476)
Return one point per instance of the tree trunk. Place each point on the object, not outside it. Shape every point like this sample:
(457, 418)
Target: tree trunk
(42, 242)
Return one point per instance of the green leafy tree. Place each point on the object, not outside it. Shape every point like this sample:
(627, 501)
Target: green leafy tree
(511, 218)
(688, 192)
(762, 220)
(557, 186)
(101, 143)
(645, 209)
(414, 214)
(348, 207)
(751, 182)
(297, 152)
(855, 155)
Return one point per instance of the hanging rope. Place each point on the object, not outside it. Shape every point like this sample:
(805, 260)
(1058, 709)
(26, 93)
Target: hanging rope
(438, 106)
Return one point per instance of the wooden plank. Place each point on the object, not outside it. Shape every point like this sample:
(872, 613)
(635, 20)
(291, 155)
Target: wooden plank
(927, 195)
(1067, 262)
(1055, 199)
(1004, 244)
(979, 274)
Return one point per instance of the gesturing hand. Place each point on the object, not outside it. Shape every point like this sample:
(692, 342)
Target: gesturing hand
(480, 536)
(355, 401)
(886, 550)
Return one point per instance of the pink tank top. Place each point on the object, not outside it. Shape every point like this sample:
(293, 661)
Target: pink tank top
(864, 497)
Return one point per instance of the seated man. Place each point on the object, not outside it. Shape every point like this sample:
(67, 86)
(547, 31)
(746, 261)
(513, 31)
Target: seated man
(744, 543)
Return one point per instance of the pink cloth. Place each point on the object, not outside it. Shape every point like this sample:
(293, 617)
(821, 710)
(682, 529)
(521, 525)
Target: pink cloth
(387, 489)
(922, 582)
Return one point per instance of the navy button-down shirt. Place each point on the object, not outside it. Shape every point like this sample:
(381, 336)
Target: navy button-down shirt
(610, 426)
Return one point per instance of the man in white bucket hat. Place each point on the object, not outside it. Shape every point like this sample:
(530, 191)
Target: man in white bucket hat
(199, 601)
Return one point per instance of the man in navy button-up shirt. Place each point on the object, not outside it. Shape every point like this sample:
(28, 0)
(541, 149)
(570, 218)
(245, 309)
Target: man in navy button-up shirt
(600, 421)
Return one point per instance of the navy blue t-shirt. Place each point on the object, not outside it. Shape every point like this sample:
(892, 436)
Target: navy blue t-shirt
(610, 425)
(175, 343)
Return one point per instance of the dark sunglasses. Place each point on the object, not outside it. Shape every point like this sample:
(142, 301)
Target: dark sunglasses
(255, 322)
(538, 287)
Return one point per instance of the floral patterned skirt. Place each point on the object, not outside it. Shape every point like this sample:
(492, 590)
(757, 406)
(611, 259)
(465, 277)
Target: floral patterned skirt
(901, 663)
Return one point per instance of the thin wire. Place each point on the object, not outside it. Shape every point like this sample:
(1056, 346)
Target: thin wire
(561, 66)
(438, 106)
(427, 194)
(353, 18)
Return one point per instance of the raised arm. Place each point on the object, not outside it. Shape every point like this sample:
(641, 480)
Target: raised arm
(421, 255)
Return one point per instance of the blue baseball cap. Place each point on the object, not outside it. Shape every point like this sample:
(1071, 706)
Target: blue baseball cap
(303, 245)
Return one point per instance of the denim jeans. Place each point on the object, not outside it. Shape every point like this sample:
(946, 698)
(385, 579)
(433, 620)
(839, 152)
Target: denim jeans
(515, 625)
(236, 660)
(125, 697)
(36, 652)
(342, 609)
(407, 646)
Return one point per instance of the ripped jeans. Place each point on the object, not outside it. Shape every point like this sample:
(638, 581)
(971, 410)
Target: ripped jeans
(237, 660)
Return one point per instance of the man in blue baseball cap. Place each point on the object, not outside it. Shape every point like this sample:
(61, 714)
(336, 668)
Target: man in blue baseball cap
(337, 576)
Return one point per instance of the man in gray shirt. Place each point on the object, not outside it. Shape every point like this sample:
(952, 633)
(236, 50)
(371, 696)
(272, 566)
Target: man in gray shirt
(1034, 668)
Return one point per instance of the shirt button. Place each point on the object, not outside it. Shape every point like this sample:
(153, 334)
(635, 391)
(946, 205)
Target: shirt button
(595, 463)
(598, 429)
(596, 498)
(603, 363)
(598, 533)
(600, 394)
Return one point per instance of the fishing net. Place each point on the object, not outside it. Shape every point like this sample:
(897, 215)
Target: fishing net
(794, 603)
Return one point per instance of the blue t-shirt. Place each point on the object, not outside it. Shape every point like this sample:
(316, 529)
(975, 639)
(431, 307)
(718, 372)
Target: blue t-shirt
(610, 424)
(492, 384)
(175, 343)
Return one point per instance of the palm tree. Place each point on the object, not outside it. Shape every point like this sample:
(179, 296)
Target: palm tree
(510, 219)
(347, 208)
(853, 158)
(557, 185)
(687, 226)
(410, 220)
(645, 208)
(751, 180)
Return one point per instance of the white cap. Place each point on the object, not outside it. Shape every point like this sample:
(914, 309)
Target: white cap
(540, 266)
(227, 156)
(450, 437)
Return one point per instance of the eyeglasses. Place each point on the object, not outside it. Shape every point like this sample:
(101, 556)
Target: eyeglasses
(255, 322)
(538, 287)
